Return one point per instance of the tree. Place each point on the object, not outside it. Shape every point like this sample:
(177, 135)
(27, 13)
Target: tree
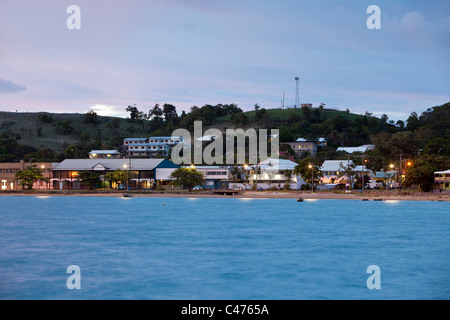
(187, 178)
(287, 150)
(90, 117)
(239, 117)
(134, 112)
(42, 155)
(156, 113)
(118, 176)
(236, 173)
(89, 178)
(422, 171)
(29, 176)
(349, 171)
(308, 174)
(113, 124)
(64, 126)
(170, 112)
(261, 115)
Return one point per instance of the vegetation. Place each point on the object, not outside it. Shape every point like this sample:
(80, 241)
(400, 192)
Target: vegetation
(187, 178)
(118, 176)
(27, 177)
(309, 169)
(89, 178)
(420, 139)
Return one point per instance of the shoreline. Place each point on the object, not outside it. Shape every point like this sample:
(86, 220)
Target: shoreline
(244, 194)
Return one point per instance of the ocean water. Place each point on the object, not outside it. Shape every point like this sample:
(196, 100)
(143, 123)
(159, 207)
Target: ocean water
(207, 248)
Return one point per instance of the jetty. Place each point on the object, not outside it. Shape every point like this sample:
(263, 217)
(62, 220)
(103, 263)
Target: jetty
(226, 192)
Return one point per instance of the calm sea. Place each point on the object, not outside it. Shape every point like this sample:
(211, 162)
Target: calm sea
(181, 248)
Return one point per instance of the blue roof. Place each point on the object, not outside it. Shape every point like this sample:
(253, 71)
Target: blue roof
(165, 138)
(148, 144)
(133, 139)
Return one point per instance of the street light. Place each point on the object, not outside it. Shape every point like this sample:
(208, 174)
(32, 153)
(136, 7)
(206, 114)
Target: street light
(126, 181)
(312, 178)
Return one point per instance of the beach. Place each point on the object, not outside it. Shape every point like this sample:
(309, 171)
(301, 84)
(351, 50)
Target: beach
(305, 195)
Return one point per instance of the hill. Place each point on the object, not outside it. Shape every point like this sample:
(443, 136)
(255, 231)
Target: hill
(52, 137)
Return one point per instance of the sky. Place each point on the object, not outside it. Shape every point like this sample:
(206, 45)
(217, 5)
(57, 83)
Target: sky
(197, 52)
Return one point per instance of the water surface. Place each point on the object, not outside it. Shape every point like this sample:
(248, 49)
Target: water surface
(209, 248)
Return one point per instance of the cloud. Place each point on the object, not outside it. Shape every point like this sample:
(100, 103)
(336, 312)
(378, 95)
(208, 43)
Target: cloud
(7, 86)
(108, 110)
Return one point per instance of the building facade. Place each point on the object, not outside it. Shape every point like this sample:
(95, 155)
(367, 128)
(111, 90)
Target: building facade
(272, 173)
(145, 173)
(307, 145)
(442, 180)
(8, 171)
(149, 147)
(216, 177)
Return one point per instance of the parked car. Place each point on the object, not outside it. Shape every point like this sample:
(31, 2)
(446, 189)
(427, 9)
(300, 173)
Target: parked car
(237, 188)
(197, 188)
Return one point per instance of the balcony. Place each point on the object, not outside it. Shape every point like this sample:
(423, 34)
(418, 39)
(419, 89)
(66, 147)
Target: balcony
(441, 179)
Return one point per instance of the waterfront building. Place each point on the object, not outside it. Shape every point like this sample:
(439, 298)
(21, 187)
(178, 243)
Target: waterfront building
(272, 173)
(8, 171)
(145, 173)
(442, 180)
(333, 171)
(216, 177)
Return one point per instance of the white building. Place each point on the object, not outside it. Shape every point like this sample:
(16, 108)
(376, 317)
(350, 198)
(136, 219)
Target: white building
(272, 173)
(149, 147)
(333, 171)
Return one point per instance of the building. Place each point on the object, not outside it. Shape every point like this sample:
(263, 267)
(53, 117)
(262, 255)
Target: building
(333, 171)
(145, 173)
(442, 180)
(216, 177)
(8, 175)
(307, 145)
(104, 154)
(303, 145)
(272, 173)
(386, 178)
(361, 149)
(146, 150)
(149, 147)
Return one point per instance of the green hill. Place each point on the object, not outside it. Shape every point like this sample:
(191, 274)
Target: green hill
(52, 136)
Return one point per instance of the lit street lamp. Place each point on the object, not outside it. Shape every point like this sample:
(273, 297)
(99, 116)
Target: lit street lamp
(312, 177)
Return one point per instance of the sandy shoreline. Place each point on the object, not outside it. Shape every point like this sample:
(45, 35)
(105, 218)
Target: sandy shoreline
(245, 194)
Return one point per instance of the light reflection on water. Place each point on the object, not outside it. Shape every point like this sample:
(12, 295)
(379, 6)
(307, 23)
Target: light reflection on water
(222, 248)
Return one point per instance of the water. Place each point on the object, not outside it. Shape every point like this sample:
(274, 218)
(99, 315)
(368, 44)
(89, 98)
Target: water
(180, 248)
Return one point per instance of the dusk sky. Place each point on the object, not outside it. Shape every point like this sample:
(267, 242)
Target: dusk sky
(196, 52)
